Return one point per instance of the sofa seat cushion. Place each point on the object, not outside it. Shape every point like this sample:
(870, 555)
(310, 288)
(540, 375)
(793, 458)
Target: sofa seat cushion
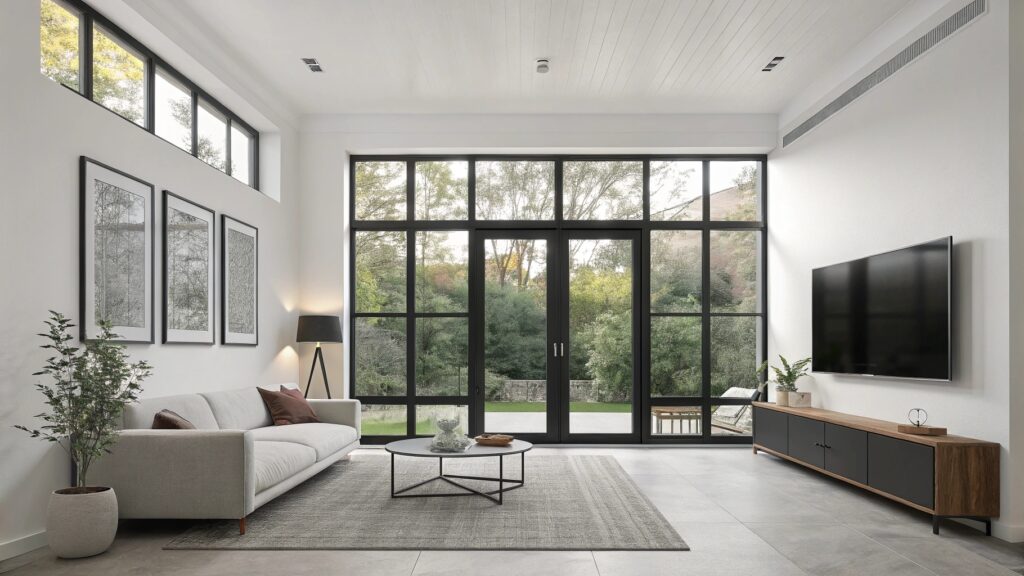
(277, 461)
(326, 439)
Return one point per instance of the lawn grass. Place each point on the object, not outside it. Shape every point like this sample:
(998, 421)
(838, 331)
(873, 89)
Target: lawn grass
(392, 428)
(618, 407)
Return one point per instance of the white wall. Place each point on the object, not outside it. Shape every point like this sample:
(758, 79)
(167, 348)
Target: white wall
(921, 156)
(44, 128)
(327, 142)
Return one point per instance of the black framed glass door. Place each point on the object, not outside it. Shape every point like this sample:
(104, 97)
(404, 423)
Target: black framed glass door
(599, 337)
(514, 287)
(556, 324)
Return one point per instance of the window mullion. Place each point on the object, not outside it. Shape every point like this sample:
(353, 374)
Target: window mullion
(195, 124)
(86, 55)
(150, 73)
(227, 145)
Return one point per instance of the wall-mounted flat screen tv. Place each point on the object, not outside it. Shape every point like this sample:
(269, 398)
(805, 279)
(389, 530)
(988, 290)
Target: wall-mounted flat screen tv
(885, 315)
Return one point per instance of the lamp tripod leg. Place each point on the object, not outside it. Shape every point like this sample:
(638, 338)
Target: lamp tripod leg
(323, 371)
(312, 368)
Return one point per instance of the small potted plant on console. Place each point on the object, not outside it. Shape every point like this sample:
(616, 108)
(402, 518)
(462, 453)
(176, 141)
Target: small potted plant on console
(786, 393)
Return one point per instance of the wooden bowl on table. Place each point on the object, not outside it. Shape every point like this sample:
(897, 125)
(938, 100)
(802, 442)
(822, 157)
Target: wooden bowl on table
(494, 439)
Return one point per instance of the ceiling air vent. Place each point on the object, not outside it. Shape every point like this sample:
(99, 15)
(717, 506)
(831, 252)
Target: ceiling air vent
(933, 37)
(771, 65)
(312, 64)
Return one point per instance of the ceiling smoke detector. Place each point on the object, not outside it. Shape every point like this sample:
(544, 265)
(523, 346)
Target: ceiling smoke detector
(771, 65)
(312, 64)
(543, 66)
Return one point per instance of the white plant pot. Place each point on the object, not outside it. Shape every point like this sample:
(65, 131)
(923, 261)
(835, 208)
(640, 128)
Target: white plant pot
(781, 397)
(800, 399)
(80, 525)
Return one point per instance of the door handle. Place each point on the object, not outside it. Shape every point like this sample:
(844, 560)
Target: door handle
(561, 349)
(554, 349)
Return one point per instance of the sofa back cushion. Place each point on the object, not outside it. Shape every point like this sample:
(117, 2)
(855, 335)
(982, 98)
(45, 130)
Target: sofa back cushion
(238, 409)
(192, 407)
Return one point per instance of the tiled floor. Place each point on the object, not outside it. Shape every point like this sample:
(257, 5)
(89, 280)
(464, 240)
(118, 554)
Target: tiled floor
(741, 515)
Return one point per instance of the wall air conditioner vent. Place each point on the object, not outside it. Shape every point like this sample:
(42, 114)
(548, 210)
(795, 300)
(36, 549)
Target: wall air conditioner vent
(312, 64)
(933, 37)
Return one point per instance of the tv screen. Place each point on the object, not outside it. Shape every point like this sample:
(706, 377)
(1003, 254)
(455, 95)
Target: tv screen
(885, 315)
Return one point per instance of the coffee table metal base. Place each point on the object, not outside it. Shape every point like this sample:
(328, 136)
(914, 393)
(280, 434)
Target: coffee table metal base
(490, 495)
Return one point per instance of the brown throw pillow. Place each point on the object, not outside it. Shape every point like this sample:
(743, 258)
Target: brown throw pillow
(168, 420)
(285, 408)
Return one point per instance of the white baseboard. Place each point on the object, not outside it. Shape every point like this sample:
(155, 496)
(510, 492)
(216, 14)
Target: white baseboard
(1012, 533)
(22, 545)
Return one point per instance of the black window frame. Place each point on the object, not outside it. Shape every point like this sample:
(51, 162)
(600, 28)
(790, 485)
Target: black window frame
(411, 226)
(88, 17)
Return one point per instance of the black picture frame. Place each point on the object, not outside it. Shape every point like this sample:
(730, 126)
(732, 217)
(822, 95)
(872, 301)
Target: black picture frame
(174, 336)
(229, 338)
(89, 171)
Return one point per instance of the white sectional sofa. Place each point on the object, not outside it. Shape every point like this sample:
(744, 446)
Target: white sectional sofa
(233, 463)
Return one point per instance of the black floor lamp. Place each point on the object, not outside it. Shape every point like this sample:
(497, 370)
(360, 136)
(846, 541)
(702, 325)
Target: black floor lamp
(318, 329)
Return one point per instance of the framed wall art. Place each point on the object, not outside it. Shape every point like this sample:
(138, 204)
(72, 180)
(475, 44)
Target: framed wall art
(239, 282)
(116, 253)
(188, 279)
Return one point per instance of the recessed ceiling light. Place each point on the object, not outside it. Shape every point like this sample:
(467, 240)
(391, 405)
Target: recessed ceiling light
(543, 66)
(312, 64)
(771, 65)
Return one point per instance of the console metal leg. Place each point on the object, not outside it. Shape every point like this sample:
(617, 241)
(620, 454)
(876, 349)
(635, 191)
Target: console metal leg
(935, 524)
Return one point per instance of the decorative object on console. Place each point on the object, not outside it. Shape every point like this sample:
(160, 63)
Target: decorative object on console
(918, 417)
(239, 282)
(288, 407)
(449, 438)
(89, 390)
(116, 253)
(318, 329)
(188, 271)
(785, 381)
(799, 399)
(494, 439)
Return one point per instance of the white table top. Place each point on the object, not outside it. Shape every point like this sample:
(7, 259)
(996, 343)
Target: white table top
(421, 447)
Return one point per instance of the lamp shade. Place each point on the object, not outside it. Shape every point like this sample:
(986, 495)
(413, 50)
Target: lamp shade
(318, 329)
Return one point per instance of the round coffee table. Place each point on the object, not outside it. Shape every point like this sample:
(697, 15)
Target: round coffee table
(420, 448)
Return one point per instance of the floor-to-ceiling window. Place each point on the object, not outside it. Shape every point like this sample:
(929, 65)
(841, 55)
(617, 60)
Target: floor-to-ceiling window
(558, 298)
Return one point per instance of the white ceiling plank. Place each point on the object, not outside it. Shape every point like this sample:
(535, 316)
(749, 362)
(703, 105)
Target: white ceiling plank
(718, 40)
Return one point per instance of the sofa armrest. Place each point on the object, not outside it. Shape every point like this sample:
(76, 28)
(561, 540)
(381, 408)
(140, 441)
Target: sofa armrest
(180, 473)
(345, 412)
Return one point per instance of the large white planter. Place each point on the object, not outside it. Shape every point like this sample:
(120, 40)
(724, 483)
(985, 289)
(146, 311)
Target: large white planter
(80, 525)
(781, 397)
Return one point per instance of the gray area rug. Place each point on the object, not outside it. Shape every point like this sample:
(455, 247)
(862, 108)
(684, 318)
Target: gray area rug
(567, 503)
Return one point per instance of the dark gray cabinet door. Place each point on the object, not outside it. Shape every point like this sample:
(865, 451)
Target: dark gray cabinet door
(771, 429)
(806, 440)
(846, 452)
(902, 468)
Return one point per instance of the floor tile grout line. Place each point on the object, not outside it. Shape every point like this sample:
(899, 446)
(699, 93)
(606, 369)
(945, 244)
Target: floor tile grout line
(596, 567)
(948, 541)
(891, 549)
(416, 562)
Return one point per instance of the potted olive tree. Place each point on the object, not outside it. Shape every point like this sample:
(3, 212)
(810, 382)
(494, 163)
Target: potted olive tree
(87, 392)
(786, 393)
